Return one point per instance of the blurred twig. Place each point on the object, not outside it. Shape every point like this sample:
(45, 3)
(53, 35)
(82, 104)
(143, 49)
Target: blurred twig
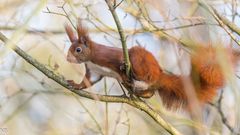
(230, 24)
(127, 123)
(117, 120)
(65, 14)
(32, 31)
(223, 24)
(23, 104)
(106, 108)
(218, 106)
(90, 114)
(106, 29)
(149, 26)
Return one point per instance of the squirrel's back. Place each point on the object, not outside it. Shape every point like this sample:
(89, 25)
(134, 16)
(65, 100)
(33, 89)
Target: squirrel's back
(144, 65)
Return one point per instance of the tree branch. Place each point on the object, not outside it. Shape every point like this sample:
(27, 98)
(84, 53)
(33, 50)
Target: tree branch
(122, 36)
(104, 98)
(230, 24)
(212, 11)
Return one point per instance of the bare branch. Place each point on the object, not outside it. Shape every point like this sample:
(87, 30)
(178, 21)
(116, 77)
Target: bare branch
(122, 36)
(115, 6)
(230, 25)
(218, 106)
(212, 11)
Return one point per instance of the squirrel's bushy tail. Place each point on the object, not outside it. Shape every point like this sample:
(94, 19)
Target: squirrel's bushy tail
(206, 76)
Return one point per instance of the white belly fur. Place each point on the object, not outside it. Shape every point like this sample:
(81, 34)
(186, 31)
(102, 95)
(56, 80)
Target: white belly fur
(138, 85)
(103, 71)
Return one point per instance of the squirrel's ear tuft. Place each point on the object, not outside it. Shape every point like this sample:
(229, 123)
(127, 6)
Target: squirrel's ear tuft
(83, 40)
(82, 33)
(81, 30)
(70, 33)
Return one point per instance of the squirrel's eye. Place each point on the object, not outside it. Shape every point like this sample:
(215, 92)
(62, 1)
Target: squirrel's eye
(78, 49)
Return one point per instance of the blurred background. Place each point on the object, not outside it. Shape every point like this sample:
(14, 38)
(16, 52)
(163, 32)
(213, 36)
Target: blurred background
(32, 104)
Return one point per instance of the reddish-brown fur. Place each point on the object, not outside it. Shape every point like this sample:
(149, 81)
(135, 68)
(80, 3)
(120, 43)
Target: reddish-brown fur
(206, 74)
(140, 58)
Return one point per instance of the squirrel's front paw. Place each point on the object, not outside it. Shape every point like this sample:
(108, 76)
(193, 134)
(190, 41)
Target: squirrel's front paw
(73, 85)
(70, 82)
(122, 66)
(128, 83)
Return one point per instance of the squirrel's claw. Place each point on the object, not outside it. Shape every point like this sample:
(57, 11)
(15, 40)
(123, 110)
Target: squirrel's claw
(122, 66)
(74, 85)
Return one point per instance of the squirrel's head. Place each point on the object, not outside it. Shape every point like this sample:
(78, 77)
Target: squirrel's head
(80, 49)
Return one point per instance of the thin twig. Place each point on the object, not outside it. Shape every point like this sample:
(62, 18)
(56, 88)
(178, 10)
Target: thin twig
(17, 110)
(223, 118)
(61, 14)
(115, 6)
(218, 106)
(151, 27)
(90, 114)
(106, 108)
(117, 121)
(105, 29)
(212, 11)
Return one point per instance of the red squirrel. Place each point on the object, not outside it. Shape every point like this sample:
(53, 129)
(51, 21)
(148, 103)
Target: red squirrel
(146, 73)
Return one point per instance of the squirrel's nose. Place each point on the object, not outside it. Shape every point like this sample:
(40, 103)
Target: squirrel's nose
(71, 58)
